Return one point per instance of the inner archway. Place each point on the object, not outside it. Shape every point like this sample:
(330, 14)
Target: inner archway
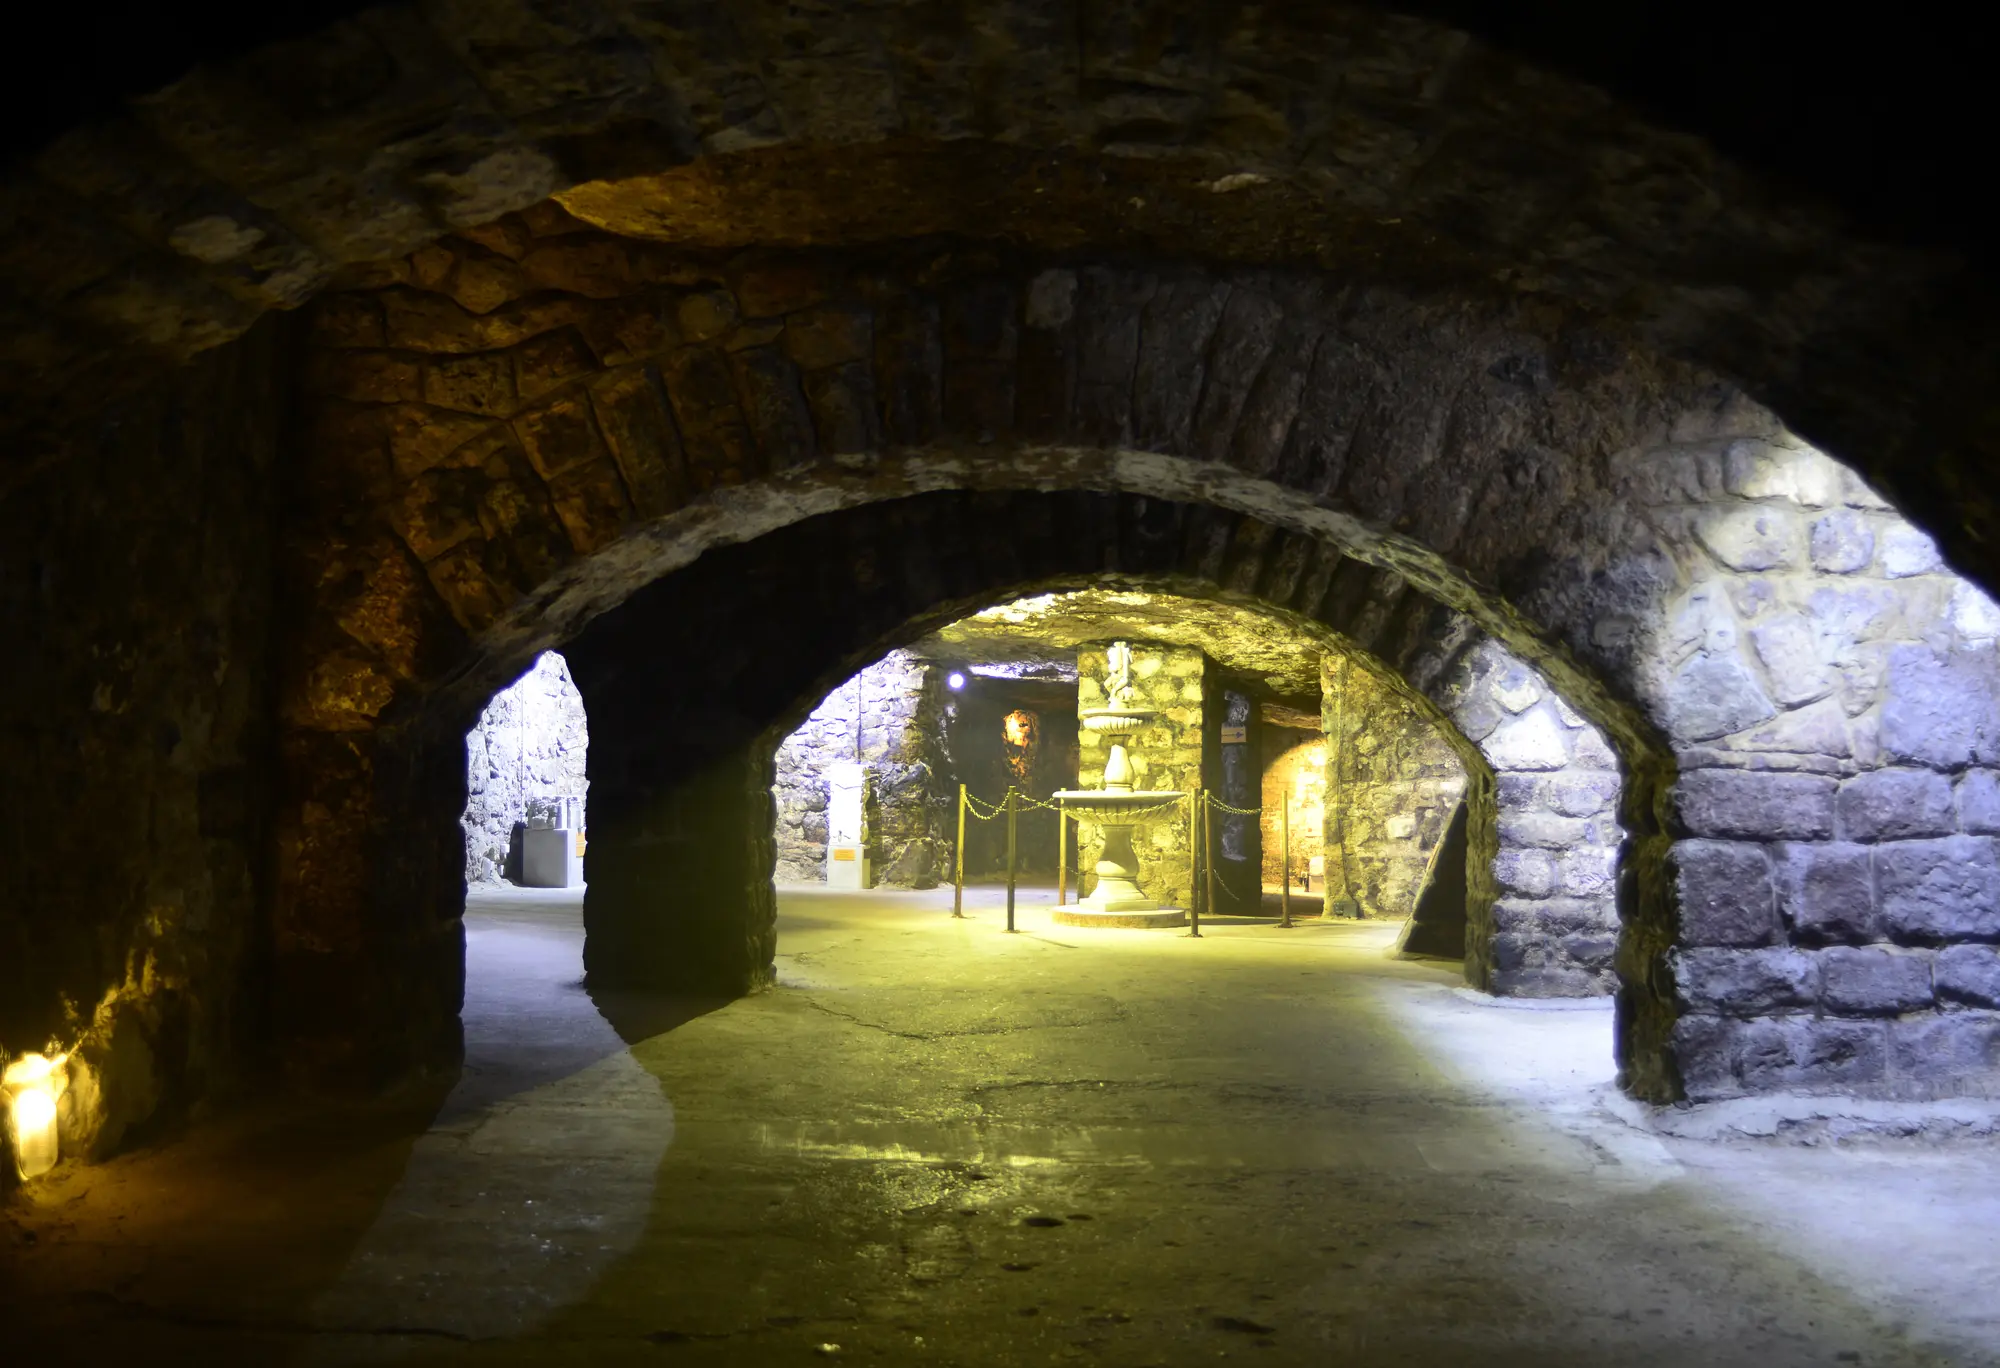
(695, 803)
(993, 702)
(526, 780)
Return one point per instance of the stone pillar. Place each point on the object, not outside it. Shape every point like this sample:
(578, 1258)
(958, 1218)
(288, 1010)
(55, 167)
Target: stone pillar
(678, 894)
(1553, 928)
(1393, 780)
(369, 947)
(1167, 754)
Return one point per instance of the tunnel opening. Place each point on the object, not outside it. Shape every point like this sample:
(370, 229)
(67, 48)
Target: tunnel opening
(904, 730)
(699, 678)
(527, 782)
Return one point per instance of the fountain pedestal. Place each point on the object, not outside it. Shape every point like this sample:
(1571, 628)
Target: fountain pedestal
(1118, 900)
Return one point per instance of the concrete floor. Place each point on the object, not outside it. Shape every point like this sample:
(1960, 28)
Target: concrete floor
(936, 1143)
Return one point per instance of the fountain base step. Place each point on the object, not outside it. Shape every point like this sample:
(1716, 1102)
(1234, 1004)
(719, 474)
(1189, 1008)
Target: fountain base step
(1129, 918)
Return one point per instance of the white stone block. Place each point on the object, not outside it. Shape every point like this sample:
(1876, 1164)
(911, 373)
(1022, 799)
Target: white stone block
(848, 866)
(551, 858)
(1533, 741)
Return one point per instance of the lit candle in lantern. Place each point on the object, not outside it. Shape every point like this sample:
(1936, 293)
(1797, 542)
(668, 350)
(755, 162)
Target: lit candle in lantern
(31, 1086)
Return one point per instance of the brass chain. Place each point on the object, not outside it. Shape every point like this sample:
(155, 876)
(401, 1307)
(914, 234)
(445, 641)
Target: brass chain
(1023, 803)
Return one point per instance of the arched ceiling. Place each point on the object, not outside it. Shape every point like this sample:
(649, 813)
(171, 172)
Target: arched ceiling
(1370, 145)
(1051, 626)
(1848, 111)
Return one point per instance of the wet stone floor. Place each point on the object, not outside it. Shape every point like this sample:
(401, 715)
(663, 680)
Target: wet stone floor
(938, 1143)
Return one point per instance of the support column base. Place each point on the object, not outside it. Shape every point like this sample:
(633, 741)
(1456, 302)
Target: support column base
(1128, 919)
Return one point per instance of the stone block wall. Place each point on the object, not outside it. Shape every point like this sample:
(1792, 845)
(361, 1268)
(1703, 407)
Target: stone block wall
(137, 598)
(892, 715)
(532, 742)
(1166, 754)
(1392, 782)
(1295, 769)
(1551, 927)
(1833, 694)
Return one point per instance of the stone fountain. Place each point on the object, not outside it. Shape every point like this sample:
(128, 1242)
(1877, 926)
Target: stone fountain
(1121, 811)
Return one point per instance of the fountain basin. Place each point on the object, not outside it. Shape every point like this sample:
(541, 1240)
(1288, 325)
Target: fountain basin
(1109, 807)
(1116, 722)
(1118, 901)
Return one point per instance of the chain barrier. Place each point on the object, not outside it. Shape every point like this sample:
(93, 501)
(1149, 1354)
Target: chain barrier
(993, 810)
(1201, 834)
(1172, 806)
(1023, 803)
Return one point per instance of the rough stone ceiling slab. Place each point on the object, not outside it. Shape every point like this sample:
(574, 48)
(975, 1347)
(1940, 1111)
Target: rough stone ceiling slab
(1049, 627)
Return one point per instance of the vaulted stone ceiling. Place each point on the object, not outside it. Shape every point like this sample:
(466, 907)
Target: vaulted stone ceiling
(1375, 147)
(1050, 627)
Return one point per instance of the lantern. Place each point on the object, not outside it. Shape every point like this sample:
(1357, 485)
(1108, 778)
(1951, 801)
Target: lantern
(31, 1086)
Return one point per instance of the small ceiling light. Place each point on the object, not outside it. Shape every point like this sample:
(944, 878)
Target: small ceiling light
(31, 1085)
(954, 681)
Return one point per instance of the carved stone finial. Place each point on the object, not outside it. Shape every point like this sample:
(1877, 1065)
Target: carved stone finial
(1118, 685)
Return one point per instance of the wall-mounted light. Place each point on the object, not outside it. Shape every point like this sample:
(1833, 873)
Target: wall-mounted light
(31, 1086)
(954, 681)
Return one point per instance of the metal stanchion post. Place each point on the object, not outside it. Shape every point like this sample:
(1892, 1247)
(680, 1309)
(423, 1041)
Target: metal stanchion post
(958, 861)
(1010, 857)
(1062, 856)
(1208, 851)
(1285, 848)
(1195, 846)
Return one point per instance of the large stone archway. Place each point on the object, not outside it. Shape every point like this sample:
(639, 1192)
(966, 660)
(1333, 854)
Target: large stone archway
(1479, 327)
(1635, 532)
(694, 680)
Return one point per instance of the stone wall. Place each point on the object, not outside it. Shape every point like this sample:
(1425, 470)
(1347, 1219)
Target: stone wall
(1166, 754)
(1833, 693)
(532, 742)
(1296, 770)
(1392, 782)
(901, 738)
(1552, 928)
(137, 598)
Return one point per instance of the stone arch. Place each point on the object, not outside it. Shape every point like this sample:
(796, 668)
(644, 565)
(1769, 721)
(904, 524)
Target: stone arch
(1543, 785)
(789, 386)
(481, 484)
(1372, 143)
(681, 773)
(1470, 195)
(530, 464)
